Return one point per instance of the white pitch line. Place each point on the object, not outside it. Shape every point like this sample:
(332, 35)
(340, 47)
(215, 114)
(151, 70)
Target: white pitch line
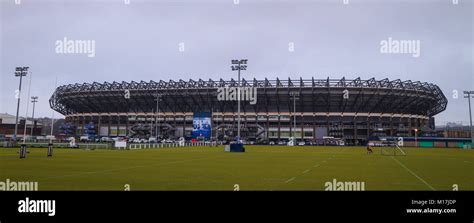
(414, 174)
(315, 165)
(306, 171)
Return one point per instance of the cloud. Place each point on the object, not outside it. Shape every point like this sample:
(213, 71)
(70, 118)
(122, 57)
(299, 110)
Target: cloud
(140, 42)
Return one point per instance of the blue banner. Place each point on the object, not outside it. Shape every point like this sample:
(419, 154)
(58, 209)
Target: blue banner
(202, 125)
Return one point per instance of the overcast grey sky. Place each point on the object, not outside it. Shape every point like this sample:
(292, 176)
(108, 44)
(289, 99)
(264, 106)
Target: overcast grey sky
(140, 41)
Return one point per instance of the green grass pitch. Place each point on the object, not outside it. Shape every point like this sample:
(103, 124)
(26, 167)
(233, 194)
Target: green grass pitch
(260, 168)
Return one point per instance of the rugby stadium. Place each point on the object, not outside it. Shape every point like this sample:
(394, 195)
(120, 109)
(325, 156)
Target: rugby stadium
(308, 109)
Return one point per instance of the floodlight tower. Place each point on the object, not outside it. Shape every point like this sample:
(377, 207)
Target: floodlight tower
(238, 65)
(19, 72)
(34, 99)
(467, 94)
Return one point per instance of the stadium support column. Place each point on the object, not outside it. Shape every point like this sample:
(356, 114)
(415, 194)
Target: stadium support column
(126, 125)
(118, 125)
(99, 124)
(290, 115)
(327, 124)
(279, 127)
(108, 125)
(217, 123)
(294, 113)
(175, 126)
(76, 122)
(214, 122)
(267, 130)
(368, 127)
(157, 128)
(233, 122)
(404, 127)
(416, 139)
(82, 123)
(302, 127)
(410, 126)
(223, 122)
(152, 119)
(354, 122)
(391, 126)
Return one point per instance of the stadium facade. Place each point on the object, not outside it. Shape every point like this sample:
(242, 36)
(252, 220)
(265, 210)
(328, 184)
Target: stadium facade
(353, 110)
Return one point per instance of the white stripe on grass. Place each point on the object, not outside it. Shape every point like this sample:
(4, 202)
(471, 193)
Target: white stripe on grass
(289, 180)
(317, 164)
(413, 173)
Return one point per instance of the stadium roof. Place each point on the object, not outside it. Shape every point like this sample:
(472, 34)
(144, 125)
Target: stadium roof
(315, 95)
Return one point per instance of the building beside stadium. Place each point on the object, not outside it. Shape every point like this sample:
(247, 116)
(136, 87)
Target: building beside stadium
(309, 109)
(7, 126)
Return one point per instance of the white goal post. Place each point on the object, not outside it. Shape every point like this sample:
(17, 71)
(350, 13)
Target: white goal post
(395, 148)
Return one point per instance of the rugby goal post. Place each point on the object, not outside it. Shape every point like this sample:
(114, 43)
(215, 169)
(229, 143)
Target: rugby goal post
(394, 148)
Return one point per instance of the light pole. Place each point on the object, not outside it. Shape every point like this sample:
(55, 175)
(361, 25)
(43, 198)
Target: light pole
(237, 65)
(34, 99)
(27, 106)
(50, 144)
(467, 94)
(52, 112)
(19, 72)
